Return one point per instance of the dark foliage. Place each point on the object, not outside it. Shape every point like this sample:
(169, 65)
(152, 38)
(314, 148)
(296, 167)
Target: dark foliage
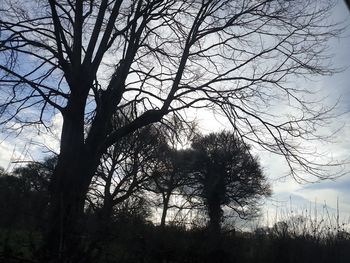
(24, 195)
(134, 239)
(227, 175)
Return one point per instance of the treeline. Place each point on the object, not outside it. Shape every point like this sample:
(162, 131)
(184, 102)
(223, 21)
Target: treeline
(213, 180)
(143, 177)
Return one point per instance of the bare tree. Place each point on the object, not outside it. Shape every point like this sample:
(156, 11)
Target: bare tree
(88, 59)
(170, 175)
(124, 169)
(172, 169)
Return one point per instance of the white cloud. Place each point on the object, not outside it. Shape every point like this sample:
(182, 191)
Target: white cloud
(6, 151)
(31, 144)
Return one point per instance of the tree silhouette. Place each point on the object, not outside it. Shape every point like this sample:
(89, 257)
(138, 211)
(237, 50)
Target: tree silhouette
(37, 174)
(12, 194)
(24, 195)
(227, 176)
(86, 60)
(124, 169)
(173, 165)
(170, 175)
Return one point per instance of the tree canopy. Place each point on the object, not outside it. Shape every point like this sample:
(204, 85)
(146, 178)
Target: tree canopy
(90, 59)
(227, 175)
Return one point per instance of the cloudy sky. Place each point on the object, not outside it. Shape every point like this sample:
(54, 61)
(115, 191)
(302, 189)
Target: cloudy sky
(287, 192)
(337, 86)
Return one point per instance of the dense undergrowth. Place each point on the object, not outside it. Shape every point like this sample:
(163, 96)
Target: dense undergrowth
(136, 240)
(130, 237)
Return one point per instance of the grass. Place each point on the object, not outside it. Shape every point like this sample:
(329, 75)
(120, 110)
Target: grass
(297, 238)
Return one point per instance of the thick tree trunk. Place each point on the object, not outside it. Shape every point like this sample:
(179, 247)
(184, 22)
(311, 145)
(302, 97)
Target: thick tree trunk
(214, 191)
(214, 231)
(66, 222)
(215, 216)
(69, 186)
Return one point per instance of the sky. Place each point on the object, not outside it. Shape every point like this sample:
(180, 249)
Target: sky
(326, 195)
(326, 192)
(287, 193)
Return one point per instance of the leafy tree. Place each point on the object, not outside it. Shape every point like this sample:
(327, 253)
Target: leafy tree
(12, 195)
(227, 176)
(24, 195)
(2, 171)
(85, 60)
(37, 175)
